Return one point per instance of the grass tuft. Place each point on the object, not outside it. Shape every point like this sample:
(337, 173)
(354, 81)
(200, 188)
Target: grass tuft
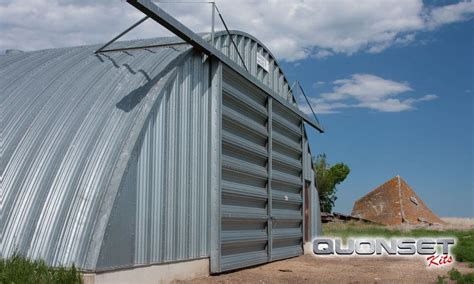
(19, 269)
(441, 279)
(461, 278)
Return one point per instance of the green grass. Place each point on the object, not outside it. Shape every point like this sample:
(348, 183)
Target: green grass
(463, 250)
(461, 278)
(18, 269)
(457, 276)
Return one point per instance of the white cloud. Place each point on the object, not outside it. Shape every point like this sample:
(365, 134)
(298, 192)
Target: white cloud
(427, 98)
(366, 91)
(293, 30)
(449, 14)
(318, 84)
(409, 38)
(321, 107)
(323, 53)
(365, 87)
(388, 105)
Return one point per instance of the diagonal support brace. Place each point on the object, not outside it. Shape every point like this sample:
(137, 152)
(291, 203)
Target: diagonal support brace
(201, 45)
(121, 34)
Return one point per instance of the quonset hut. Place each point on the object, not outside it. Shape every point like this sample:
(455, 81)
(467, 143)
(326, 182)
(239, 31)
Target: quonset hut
(152, 152)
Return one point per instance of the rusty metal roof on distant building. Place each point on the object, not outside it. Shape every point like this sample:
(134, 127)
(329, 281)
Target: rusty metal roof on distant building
(393, 203)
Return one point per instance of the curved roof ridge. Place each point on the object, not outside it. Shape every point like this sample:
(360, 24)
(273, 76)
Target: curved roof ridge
(242, 33)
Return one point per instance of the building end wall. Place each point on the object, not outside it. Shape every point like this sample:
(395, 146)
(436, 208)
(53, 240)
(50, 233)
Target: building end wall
(160, 273)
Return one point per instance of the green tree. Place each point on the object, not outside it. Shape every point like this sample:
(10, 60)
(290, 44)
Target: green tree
(327, 178)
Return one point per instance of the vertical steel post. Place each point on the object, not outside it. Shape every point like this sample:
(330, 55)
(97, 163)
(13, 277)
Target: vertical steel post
(213, 7)
(269, 181)
(216, 164)
(303, 185)
(307, 199)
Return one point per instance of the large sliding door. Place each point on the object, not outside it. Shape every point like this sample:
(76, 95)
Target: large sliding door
(286, 184)
(261, 199)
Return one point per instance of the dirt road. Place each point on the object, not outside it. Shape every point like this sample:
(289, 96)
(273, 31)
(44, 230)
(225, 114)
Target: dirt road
(308, 269)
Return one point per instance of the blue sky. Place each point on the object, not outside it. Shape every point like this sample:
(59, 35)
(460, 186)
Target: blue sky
(431, 146)
(392, 80)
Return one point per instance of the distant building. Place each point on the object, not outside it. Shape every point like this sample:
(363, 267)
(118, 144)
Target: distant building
(393, 203)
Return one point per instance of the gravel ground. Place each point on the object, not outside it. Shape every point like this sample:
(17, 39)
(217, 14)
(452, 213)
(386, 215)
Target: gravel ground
(309, 269)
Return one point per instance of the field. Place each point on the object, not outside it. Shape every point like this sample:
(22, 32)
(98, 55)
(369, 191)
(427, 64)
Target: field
(309, 269)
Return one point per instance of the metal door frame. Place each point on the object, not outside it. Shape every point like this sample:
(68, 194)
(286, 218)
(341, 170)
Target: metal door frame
(269, 181)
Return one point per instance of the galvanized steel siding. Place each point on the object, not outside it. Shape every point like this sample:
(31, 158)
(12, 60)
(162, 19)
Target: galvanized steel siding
(173, 171)
(66, 114)
(309, 176)
(171, 175)
(262, 178)
(287, 184)
(316, 225)
(244, 198)
(248, 48)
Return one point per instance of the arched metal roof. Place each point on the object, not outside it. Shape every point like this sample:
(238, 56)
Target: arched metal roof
(70, 119)
(248, 47)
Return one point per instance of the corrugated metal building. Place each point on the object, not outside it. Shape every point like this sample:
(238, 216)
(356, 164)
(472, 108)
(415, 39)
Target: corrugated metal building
(152, 155)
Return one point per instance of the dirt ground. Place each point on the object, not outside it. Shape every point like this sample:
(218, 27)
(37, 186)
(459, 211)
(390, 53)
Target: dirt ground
(310, 269)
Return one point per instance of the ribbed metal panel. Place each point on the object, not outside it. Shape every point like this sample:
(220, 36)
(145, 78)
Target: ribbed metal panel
(248, 47)
(244, 174)
(287, 184)
(173, 171)
(67, 118)
(316, 226)
(171, 179)
(309, 176)
(261, 209)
